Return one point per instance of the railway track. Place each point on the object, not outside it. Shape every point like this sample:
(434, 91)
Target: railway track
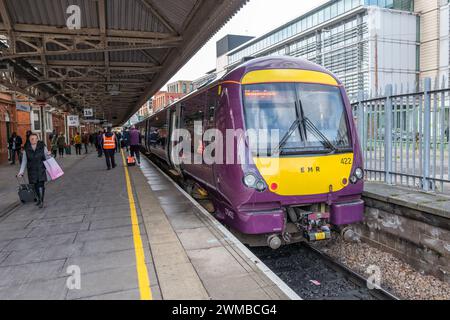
(314, 275)
(311, 273)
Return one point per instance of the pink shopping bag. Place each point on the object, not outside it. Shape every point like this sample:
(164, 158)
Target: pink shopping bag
(53, 168)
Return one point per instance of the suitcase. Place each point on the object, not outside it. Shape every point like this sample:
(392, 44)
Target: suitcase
(26, 192)
(131, 161)
(68, 150)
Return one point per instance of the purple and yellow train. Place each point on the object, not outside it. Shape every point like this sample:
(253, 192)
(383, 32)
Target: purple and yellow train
(307, 182)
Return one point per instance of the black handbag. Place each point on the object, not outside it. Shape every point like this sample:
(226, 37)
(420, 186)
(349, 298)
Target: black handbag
(26, 192)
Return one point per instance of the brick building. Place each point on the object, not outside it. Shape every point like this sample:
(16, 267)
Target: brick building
(163, 99)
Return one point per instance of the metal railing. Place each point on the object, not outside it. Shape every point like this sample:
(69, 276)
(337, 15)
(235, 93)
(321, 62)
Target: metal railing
(410, 144)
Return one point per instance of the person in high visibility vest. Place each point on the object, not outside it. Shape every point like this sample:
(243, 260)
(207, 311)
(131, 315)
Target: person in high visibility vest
(109, 143)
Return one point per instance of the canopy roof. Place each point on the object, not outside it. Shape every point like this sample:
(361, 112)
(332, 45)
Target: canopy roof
(123, 53)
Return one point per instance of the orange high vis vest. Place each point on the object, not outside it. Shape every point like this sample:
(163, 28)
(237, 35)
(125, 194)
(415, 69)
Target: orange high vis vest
(109, 143)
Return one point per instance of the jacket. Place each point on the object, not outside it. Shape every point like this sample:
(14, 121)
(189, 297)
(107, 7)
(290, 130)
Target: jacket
(77, 139)
(135, 137)
(18, 144)
(61, 142)
(33, 161)
(109, 134)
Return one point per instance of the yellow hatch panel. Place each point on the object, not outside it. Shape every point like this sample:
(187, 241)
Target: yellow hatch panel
(288, 75)
(306, 175)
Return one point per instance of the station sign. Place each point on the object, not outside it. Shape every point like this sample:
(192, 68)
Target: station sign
(88, 112)
(73, 121)
(94, 121)
(23, 107)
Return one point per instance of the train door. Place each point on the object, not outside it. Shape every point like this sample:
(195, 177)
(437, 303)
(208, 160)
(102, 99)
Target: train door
(210, 124)
(174, 118)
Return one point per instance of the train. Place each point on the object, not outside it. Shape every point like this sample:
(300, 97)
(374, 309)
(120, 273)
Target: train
(289, 167)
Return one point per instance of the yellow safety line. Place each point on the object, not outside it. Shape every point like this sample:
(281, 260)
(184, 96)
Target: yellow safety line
(141, 267)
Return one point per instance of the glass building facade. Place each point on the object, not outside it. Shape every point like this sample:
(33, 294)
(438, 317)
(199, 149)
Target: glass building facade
(341, 46)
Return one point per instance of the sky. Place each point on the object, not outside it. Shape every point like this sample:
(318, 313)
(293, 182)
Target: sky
(256, 18)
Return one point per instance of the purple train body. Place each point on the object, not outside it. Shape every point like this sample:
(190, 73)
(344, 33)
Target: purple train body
(308, 182)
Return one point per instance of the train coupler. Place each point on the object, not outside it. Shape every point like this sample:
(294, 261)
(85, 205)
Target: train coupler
(316, 226)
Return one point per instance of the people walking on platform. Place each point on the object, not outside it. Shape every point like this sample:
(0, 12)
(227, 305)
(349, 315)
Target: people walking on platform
(135, 144)
(125, 139)
(77, 143)
(15, 146)
(85, 141)
(92, 138)
(119, 138)
(27, 139)
(98, 144)
(54, 144)
(34, 156)
(109, 143)
(61, 143)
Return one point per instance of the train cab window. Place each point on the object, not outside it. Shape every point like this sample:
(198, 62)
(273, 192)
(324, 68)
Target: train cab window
(295, 118)
(324, 107)
(270, 110)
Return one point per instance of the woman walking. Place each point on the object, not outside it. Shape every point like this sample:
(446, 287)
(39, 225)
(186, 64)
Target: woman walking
(33, 160)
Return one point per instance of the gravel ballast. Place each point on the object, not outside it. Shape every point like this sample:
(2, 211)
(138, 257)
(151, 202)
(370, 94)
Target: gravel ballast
(397, 277)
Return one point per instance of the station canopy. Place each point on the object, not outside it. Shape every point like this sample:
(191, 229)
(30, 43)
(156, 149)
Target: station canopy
(119, 56)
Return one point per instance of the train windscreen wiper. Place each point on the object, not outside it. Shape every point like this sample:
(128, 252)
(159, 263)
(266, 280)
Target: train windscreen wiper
(310, 125)
(286, 137)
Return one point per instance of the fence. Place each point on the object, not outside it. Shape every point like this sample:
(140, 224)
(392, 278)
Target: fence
(410, 144)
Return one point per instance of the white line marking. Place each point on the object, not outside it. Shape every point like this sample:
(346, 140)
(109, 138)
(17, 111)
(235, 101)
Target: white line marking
(232, 238)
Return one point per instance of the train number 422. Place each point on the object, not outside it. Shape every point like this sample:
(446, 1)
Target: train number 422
(346, 161)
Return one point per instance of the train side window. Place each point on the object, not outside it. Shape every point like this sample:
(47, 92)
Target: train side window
(193, 112)
(159, 131)
(211, 104)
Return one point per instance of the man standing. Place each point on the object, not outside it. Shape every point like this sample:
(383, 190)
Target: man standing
(61, 143)
(109, 143)
(98, 143)
(85, 141)
(77, 143)
(15, 145)
(135, 144)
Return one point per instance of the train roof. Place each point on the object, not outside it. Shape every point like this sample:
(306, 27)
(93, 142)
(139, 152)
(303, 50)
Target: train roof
(275, 62)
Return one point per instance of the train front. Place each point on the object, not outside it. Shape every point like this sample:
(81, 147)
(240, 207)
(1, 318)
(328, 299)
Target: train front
(305, 175)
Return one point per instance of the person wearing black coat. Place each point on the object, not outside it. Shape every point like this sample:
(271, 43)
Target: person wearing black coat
(15, 145)
(34, 156)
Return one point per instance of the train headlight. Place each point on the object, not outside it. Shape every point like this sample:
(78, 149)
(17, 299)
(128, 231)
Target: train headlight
(250, 180)
(260, 186)
(353, 179)
(359, 173)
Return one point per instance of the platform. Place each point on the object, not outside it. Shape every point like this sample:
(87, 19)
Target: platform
(131, 233)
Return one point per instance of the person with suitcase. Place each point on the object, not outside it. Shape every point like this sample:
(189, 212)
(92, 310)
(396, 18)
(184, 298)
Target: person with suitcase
(33, 160)
(135, 139)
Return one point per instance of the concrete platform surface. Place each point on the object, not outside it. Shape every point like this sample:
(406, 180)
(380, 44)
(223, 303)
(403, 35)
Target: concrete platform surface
(128, 233)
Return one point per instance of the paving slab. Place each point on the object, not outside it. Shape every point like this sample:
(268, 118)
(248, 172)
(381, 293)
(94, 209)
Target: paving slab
(185, 257)
(81, 227)
(183, 243)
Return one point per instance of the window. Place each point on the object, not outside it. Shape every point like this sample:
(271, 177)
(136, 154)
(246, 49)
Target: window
(272, 108)
(158, 131)
(35, 120)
